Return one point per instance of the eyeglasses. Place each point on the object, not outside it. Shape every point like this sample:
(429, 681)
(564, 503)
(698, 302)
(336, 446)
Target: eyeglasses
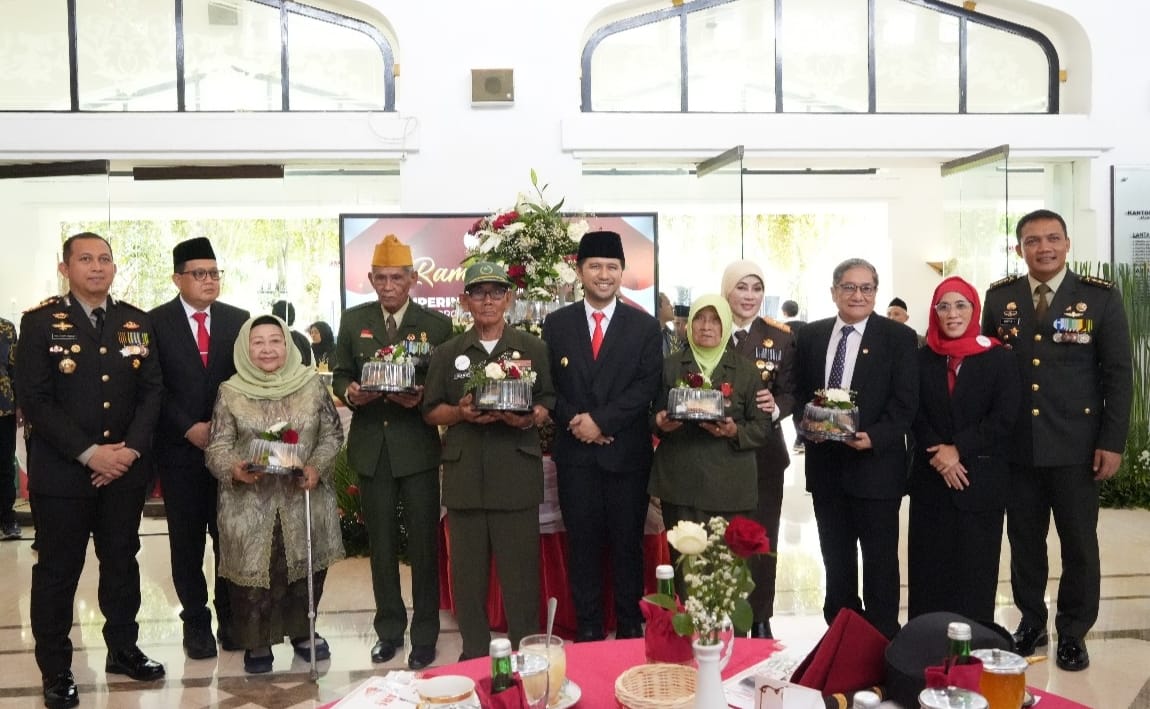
(867, 289)
(959, 306)
(479, 295)
(201, 274)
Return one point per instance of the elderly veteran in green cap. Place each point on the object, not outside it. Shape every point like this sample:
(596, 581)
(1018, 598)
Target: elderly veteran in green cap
(394, 454)
(492, 461)
(707, 468)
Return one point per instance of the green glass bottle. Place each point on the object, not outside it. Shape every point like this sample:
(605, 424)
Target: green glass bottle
(501, 678)
(665, 578)
(958, 644)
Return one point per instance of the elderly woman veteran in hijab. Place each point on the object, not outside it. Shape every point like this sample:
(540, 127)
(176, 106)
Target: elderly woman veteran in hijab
(969, 399)
(262, 523)
(707, 468)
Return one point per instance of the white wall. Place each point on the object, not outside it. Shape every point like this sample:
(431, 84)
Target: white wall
(454, 157)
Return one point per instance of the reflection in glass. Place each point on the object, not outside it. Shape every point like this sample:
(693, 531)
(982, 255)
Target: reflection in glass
(731, 57)
(824, 56)
(34, 54)
(333, 68)
(126, 55)
(916, 59)
(638, 70)
(1006, 73)
(233, 63)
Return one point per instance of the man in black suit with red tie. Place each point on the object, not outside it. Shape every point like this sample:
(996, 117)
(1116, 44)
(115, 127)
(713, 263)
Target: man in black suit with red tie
(195, 334)
(606, 364)
(858, 485)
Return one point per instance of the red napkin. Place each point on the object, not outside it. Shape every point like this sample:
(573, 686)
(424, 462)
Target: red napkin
(660, 640)
(849, 657)
(510, 698)
(965, 676)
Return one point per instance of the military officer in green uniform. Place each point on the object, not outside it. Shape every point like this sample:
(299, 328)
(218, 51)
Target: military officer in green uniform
(91, 389)
(492, 461)
(1071, 340)
(393, 452)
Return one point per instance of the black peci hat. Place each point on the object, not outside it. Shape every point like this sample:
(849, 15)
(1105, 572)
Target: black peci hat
(897, 302)
(197, 248)
(601, 244)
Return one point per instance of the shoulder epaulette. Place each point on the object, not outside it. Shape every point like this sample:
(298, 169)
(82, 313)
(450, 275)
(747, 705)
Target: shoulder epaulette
(1096, 282)
(776, 324)
(125, 304)
(50, 300)
(364, 305)
(1004, 281)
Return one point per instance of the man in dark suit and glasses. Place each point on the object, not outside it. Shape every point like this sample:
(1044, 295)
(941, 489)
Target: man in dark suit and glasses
(90, 390)
(858, 485)
(606, 363)
(195, 334)
(1071, 340)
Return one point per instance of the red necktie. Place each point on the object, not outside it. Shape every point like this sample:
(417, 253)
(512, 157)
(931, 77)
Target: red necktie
(597, 336)
(952, 364)
(203, 340)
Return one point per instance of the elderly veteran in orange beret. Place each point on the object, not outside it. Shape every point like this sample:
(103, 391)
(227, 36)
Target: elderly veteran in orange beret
(394, 452)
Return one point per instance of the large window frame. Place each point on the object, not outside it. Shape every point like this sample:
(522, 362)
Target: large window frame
(964, 17)
(286, 8)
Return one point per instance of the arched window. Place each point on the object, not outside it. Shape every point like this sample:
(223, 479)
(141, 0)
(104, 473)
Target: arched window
(818, 56)
(192, 55)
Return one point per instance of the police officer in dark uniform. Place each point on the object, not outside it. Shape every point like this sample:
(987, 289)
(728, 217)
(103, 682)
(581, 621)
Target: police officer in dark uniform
(1071, 340)
(770, 345)
(91, 390)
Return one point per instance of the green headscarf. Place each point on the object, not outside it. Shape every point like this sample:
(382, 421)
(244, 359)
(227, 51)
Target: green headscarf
(255, 383)
(708, 357)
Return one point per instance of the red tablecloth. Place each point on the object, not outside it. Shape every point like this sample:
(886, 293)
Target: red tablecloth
(553, 581)
(594, 667)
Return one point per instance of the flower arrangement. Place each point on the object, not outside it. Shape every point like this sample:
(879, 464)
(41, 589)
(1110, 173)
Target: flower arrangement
(533, 240)
(834, 398)
(396, 354)
(696, 380)
(510, 365)
(280, 433)
(713, 560)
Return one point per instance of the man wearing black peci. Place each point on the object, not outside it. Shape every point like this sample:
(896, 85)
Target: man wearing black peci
(195, 334)
(606, 365)
(91, 391)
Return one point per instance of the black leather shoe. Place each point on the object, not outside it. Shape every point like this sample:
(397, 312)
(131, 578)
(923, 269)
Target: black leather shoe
(199, 644)
(421, 656)
(625, 631)
(130, 661)
(1072, 655)
(384, 650)
(258, 661)
(761, 629)
(1028, 638)
(60, 692)
(586, 635)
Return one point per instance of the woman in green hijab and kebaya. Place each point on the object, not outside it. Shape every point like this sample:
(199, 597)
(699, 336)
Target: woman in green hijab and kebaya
(262, 518)
(704, 469)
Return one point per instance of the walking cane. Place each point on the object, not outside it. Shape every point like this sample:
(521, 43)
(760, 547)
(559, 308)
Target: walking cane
(313, 675)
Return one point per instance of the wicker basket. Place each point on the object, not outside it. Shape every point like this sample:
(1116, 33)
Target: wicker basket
(658, 686)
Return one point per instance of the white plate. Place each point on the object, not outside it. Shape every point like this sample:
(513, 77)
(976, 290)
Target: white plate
(569, 696)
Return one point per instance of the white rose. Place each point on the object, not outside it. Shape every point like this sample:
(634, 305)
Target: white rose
(470, 241)
(688, 537)
(514, 227)
(278, 427)
(838, 395)
(576, 230)
(566, 273)
(494, 371)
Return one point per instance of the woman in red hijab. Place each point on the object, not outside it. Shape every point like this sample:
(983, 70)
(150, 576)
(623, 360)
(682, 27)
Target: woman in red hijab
(968, 400)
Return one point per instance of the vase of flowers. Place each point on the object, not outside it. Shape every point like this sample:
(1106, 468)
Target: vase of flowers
(713, 560)
(536, 245)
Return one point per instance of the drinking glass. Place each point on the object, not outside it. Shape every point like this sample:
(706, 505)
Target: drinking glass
(532, 669)
(556, 657)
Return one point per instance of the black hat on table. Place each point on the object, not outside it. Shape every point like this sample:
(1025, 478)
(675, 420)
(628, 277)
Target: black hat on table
(600, 244)
(192, 249)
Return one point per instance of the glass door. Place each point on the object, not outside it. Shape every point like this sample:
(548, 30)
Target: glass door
(976, 218)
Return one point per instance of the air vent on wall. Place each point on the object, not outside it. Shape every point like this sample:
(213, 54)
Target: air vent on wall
(492, 86)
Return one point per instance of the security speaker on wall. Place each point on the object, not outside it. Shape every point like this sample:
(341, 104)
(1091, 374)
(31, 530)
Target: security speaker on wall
(492, 87)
